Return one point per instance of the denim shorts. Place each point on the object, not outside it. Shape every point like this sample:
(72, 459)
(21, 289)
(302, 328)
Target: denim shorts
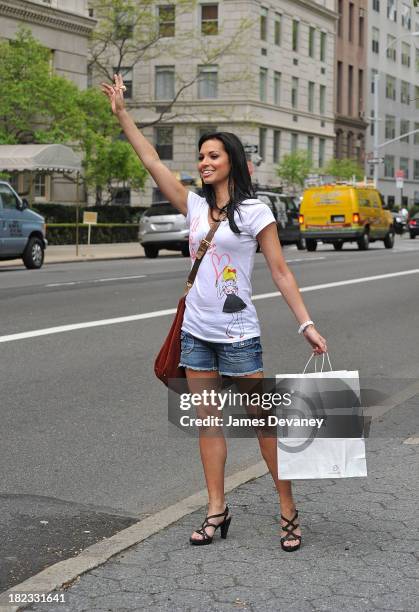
(228, 358)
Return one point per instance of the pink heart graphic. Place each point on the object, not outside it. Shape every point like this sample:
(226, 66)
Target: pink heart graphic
(219, 262)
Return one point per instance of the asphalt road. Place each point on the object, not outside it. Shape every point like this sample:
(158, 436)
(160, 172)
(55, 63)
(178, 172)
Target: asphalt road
(85, 449)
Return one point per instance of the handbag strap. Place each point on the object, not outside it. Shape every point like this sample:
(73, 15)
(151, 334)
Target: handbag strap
(205, 243)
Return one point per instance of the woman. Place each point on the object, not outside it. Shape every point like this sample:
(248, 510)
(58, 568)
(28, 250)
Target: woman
(220, 332)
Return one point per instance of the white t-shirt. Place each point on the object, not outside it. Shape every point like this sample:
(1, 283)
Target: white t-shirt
(219, 306)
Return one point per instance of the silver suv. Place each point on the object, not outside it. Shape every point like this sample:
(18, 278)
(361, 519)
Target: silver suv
(163, 227)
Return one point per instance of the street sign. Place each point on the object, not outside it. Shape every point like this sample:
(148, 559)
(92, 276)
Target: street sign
(251, 148)
(90, 218)
(399, 183)
(399, 179)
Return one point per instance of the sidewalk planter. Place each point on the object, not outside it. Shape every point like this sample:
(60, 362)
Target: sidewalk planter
(65, 233)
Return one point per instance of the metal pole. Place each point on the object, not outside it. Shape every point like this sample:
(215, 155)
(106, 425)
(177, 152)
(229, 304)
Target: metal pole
(376, 124)
(77, 214)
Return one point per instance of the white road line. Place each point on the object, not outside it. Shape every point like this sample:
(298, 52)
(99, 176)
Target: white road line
(161, 313)
(96, 280)
(414, 440)
(304, 259)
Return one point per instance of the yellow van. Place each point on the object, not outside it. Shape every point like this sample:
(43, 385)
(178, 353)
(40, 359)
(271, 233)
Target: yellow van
(341, 213)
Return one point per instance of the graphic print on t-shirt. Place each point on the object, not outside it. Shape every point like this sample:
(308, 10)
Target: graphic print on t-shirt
(233, 304)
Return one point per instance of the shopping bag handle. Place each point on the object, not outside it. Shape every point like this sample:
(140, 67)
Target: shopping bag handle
(315, 362)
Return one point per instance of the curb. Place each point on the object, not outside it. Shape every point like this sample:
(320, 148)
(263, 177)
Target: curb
(67, 571)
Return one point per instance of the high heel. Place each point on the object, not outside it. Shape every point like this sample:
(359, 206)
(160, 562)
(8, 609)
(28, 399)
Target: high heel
(207, 539)
(291, 535)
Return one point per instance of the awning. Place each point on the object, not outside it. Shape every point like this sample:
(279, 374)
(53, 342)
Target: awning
(38, 158)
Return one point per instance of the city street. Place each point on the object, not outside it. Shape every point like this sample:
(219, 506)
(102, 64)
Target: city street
(85, 450)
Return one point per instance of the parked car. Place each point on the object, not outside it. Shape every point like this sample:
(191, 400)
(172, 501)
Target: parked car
(413, 224)
(339, 213)
(162, 226)
(22, 231)
(285, 211)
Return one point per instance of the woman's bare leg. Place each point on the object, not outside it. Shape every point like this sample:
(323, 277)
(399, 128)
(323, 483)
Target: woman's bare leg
(212, 446)
(268, 447)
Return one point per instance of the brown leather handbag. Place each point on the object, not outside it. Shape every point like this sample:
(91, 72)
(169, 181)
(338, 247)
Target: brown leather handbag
(166, 364)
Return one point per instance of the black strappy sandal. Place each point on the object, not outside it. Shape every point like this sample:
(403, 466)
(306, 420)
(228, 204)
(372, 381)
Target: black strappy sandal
(207, 539)
(291, 535)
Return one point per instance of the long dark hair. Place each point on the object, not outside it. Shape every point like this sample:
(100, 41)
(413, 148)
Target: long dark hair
(239, 182)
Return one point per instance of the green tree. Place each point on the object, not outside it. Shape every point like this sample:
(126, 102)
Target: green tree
(36, 105)
(294, 169)
(344, 169)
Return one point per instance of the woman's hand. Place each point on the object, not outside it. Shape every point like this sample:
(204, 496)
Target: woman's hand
(315, 339)
(115, 93)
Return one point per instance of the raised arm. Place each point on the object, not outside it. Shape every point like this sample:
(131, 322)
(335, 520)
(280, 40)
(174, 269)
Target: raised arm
(168, 184)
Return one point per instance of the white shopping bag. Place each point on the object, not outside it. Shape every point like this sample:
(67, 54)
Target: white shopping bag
(314, 456)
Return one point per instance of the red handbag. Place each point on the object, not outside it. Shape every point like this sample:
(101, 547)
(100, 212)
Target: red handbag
(166, 364)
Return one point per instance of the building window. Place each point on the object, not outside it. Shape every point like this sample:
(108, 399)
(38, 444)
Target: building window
(376, 5)
(310, 148)
(390, 127)
(277, 145)
(322, 150)
(351, 22)
(277, 29)
(350, 89)
(390, 87)
(209, 19)
(372, 126)
(311, 87)
(417, 97)
(360, 91)
(262, 142)
(163, 139)
(416, 136)
(405, 92)
(165, 83)
(294, 143)
(373, 73)
(123, 25)
(340, 13)
(203, 130)
(294, 92)
(404, 165)
(389, 166)
(323, 46)
(126, 74)
(391, 10)
(339, 87)
(350, 144)
(167, 20)
(277, 88)
(405, 15)
(263, 84)
(416, 169)
(40, 186)
(263, 24)
(322, 103)
(375, 40)
(311, 41)
(404, 129)
(295, 34)
(391, 49)
(207, 82)
(406, 54)
(361, 28)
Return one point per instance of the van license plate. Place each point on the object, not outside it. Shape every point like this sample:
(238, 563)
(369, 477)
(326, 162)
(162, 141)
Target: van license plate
(338, 218)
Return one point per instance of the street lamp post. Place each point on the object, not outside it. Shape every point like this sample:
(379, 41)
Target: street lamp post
(376, 102)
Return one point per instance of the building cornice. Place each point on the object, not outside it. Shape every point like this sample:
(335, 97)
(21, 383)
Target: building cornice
(24, 10)
(351, 122)
(318, 8)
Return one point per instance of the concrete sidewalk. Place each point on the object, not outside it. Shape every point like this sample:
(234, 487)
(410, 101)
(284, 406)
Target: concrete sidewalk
(360, 546)
(94, 252)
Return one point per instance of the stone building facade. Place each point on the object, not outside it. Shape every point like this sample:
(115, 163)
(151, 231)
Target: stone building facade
(351, 75)
(393, 53)
(276, 93)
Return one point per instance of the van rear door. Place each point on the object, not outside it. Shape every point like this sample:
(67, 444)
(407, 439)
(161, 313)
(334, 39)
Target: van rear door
(11, 220)
(327, 208)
